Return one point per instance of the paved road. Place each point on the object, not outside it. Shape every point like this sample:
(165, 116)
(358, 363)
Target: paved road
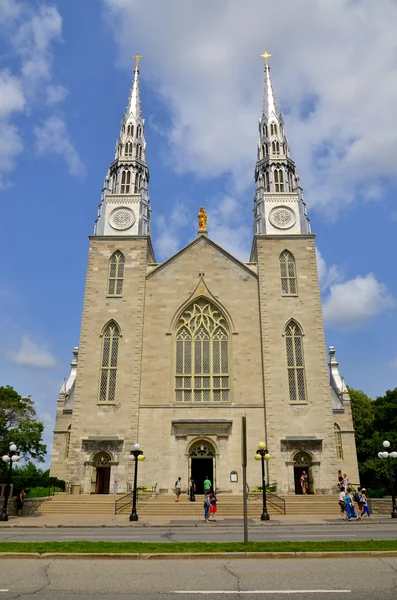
(314, 579)
(206, 533)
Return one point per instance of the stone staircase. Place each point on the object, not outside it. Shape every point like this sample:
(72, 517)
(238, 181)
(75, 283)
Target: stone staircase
(165, 505)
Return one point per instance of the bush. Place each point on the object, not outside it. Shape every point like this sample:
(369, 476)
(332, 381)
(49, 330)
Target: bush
(43, 492)
(377, 493)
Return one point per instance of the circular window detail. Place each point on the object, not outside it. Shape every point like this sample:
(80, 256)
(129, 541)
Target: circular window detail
(282, 217)
(122, 218)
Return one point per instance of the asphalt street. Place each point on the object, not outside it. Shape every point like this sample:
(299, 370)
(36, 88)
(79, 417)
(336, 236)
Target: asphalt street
(204, 533)
(318, 578)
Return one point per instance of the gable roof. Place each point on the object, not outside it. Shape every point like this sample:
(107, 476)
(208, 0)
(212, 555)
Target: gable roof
(202, 239)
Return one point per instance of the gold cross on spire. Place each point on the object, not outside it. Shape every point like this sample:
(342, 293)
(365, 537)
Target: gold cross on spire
(266, 56)
(137, 58)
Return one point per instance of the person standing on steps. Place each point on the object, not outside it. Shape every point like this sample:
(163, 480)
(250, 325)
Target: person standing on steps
(304, 482)
(178, 488)
(207, 506)
(207, 485)
(192, 491)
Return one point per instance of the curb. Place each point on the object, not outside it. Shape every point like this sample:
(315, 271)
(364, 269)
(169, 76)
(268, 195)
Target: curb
(195, 555)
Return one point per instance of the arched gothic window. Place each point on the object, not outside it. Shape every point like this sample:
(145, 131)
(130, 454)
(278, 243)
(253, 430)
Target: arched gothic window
(267, 182)
(138, 183)
(125, 182)
(290, 182)
(202, 355)
(138, 131)
(276, 148)
(295, 362)
(116, 274)
(273, 129)
(128, 149)
(130, 130)
(338, 442)
(278, 180)
(288, 273)
(264, 130)
(139, 151)
(110, 350)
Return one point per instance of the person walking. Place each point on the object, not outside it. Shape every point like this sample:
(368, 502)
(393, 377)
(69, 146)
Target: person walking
(213, 505)
(207, 506)
(192, 491)
(346, 482)
(350, 512)
(178, 488)
(365, 511)
(207, 485)
(342, 503)
(20, 501)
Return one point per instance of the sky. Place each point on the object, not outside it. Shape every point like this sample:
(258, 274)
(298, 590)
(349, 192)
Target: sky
(65, 75)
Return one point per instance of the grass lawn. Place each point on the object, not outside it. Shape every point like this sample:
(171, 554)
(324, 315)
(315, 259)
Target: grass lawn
(213, 547)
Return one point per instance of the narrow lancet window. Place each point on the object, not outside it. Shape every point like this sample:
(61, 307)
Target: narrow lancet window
(110, 350)
(278, 180)
(338, 442)
(202, 355)
(128, 149)
(116, 274)
(295, 363)
(125, 182)
(288, 273)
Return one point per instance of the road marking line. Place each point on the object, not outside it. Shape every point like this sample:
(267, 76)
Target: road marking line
(262, 592)
(4, 590)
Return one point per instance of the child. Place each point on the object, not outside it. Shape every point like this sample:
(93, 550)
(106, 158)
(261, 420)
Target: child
(213, 507)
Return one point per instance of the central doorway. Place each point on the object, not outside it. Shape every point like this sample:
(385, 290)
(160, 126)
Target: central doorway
(101, 473)
(302, 462)
(202, 465)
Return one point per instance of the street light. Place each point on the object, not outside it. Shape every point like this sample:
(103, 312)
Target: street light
(136, 454)
(389, 456)
(11, 457)
(262, 454)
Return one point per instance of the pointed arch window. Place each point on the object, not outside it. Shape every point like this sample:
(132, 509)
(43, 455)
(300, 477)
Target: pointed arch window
(273, 129)
(116, 274)
(130, 130)
(67, 442)
(295, 362)
(264, 131)
(125, 182)
(138, 184)
(278, 180)
(110, 350)
(139, 151)
(291, 186)
(138, 131)
(267, 182)
(202, 355)
(288, 273)
(276, 148)
(128, 149)
(338, 442)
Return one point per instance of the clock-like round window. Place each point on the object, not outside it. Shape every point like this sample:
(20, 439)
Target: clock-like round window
(122, 218)
(282, 217)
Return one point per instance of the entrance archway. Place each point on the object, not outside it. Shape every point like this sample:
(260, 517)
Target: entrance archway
(101, 472)
(202, 459)
(303, 463)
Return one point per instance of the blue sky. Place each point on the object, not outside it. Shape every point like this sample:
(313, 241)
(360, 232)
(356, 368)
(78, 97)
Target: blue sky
(65, 75)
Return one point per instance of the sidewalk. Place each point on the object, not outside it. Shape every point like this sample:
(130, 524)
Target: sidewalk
(163, 521)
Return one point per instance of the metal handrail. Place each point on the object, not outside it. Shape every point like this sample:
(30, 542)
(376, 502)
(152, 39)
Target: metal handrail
(274, 499)
(118, 507)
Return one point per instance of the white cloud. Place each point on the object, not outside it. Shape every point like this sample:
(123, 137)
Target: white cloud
(52, 138)
(355, 301)
(340, 105)
(10, 146)
(11, 95)
(393, 364)
(327, 275)
(56, 93)
(32, 355)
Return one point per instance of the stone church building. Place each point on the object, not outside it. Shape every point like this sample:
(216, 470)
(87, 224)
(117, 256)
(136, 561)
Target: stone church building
(173, 354)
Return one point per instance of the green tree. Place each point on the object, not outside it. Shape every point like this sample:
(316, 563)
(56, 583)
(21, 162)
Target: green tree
(29, 476)
(19, 424)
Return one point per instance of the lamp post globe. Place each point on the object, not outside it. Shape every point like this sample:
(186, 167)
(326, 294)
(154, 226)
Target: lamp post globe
(10, 458)
(262, 454)
(389, 456)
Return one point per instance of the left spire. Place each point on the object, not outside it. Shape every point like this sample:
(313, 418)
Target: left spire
(125, 203)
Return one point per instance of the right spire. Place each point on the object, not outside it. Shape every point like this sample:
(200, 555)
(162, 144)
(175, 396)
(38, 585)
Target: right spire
(279, 205)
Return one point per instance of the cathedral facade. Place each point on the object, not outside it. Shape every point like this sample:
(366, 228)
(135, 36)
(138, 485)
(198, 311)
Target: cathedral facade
(172, 355)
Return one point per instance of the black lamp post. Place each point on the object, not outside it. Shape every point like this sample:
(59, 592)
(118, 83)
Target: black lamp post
(11, 457)
(136, 454)
(262, 454)
(389, 456)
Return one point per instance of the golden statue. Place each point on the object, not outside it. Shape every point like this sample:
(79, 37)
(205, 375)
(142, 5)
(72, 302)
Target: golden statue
(202, 219)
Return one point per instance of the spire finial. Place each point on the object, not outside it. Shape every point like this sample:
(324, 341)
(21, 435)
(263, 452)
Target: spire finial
(137, 58)
(266, 56)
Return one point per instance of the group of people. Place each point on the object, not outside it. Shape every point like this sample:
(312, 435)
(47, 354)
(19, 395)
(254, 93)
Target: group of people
(210, 499)
(347, 499)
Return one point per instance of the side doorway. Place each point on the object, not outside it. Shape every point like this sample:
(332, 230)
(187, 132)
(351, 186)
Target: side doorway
(302, 464)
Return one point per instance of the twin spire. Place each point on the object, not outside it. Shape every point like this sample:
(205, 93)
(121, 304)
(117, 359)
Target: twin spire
(279, 207)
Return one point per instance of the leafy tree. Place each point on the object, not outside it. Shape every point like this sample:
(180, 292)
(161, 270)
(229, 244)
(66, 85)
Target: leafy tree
(19, 424)
(29, 476)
